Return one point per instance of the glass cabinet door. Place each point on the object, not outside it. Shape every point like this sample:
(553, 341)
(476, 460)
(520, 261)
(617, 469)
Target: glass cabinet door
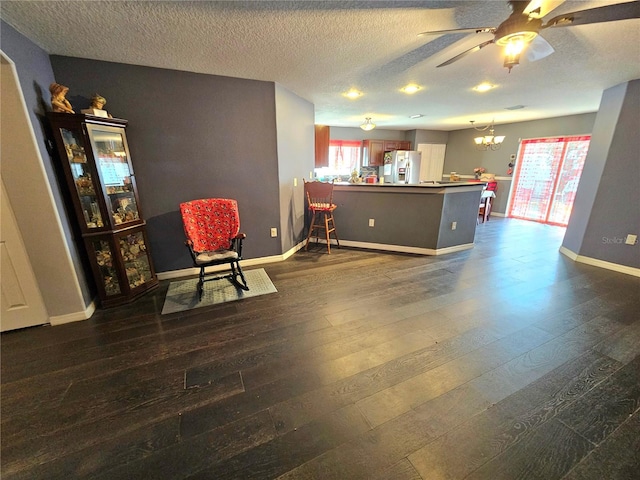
(85, 185)
(134, 253)
(112, 161)
(106, 263)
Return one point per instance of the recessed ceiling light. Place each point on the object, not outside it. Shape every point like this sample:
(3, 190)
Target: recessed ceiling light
(352, 94)
(417, 115)
(411, 88)
(483, 87)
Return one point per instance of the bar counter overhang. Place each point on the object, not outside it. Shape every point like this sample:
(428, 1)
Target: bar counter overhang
(408, 218)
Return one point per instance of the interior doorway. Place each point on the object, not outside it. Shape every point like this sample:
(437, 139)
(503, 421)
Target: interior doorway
(546, 178)
(21, 303)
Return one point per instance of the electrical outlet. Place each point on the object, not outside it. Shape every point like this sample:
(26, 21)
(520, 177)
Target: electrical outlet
(372, 222)
(274, 232)
(454, 225)
(295, 182)
(310, 175)
(631, 239)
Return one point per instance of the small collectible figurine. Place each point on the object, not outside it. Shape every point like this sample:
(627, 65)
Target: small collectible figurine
(97, 106)
(59, 103)
(355, 178)
(98, 101)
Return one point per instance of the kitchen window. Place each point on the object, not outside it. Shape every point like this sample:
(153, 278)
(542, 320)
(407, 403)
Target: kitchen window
(344, 157)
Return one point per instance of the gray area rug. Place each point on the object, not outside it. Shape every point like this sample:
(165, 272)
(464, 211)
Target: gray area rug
(183, 295)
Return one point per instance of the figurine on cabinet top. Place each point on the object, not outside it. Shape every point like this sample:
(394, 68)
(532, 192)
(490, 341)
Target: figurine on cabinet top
(96, 107)
(59, 103)
(98, 101)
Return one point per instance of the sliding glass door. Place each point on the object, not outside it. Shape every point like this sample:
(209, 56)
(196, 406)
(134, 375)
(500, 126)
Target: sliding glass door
(546, 180)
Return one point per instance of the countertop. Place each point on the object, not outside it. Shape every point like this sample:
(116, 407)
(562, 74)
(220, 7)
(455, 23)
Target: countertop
(427, 185)
(408, 187)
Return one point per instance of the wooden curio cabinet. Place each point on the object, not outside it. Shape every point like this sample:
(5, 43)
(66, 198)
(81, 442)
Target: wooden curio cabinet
(95, 158)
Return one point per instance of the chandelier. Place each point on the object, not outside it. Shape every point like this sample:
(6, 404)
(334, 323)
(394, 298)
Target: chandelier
(487, 142)
(367, 125)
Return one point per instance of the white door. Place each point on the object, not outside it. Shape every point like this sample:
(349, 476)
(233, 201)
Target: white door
(432, 161)
(22, 304)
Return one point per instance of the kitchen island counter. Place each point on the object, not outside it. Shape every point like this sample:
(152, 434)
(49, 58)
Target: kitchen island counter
(428, 219)
(420, 186)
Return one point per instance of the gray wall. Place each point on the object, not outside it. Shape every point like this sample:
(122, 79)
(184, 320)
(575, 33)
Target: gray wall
(355, 133)
(296, 137)
(190, 136)
(462, 156)
(607, 204)
(427, 136)
(414, 136)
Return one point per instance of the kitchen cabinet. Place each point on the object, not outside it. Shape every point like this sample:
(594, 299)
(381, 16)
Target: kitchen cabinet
(94, 157)
(322, 135)
(391, 145)
(373, 150)
(372, 153)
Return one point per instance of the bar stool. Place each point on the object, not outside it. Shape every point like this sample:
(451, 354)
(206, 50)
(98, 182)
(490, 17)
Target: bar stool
(320, 201)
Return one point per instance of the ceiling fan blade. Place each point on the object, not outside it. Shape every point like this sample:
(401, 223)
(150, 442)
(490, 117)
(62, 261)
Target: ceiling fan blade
(465, 53)
(461, 30)
(538, 49)
(609, 13)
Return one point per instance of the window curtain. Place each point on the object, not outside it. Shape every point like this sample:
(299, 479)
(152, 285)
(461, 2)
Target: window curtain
(344, 155)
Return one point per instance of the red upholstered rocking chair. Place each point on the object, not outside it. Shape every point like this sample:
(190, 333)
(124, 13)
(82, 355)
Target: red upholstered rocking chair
(212, 227)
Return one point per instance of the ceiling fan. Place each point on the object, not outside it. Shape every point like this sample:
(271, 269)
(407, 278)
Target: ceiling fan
(522, 27)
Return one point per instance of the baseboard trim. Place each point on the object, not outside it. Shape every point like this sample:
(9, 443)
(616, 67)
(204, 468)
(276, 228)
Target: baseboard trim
(400, 248)
(600, 263)
(250, 262)
(74, 317)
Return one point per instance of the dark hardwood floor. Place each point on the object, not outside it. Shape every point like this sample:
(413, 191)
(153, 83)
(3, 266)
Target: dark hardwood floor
(507, 361)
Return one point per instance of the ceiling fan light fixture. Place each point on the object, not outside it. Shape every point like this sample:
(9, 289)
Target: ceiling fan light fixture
(515, 34)
(525, 36)
(515, 45)
(367, 125)
(511, 60)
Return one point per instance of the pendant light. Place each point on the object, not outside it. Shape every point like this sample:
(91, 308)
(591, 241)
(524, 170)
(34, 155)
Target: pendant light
(367, 125)
(488, 142)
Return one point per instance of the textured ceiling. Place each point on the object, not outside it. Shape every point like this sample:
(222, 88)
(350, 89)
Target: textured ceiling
(321, 49)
